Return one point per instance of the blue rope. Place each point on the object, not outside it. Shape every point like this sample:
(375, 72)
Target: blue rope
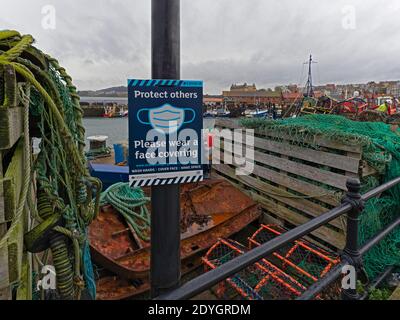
(88, 271)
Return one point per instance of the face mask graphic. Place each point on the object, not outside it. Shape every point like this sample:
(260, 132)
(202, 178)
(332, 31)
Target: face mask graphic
(166, 119)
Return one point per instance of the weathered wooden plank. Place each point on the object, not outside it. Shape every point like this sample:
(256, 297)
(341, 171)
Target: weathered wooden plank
(226, 123)
(301, 186)
(9, 199)
(5, 292)
(322, 176)
(14, 244)
(267, 218)
(345, 163)
(325, 234)
(11, 126)
(15, 249)
(12, 182)
(317, 140)
(4, 271)
(367, 170)
(304, 205)
(2, 211)
(10, 86)
(24, 291)
(283, 173)
(2, 84)
(357, 157)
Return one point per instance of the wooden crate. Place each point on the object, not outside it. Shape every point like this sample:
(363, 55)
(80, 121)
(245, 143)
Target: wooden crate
(11, 112)
(11, 250)
(12, 228)
(294, 183)
(11, 129)
(24, 291)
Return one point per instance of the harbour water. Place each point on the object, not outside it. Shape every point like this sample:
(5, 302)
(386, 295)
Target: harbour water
(117, 128)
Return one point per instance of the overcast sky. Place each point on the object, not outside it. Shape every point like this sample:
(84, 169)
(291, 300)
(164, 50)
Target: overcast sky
(104, 42)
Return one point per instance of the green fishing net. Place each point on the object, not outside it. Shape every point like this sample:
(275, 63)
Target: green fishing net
(381, 150)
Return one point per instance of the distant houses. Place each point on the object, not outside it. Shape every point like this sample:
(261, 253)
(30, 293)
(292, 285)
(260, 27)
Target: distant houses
(248, 95)
(245, 94)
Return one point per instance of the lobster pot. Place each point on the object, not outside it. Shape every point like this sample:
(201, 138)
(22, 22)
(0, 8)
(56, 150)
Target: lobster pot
(97, 143)
(301, 259)
(260, 281)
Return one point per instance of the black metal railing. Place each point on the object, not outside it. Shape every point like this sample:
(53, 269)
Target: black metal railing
(352, 204)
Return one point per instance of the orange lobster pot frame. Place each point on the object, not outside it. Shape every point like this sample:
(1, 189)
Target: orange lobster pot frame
(260, 281)
(301, 259)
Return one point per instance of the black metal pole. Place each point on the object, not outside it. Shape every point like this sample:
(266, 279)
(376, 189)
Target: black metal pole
(382, 188)
(377, 282)
(165, 204)
(379, 237)
(351, 251)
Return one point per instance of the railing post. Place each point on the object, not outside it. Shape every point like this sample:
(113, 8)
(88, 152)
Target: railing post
(351, 252)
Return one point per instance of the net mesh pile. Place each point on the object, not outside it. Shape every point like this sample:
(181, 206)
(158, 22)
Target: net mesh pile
(380, 143)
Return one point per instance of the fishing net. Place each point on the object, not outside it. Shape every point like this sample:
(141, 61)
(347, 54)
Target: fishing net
(380, 143)
(67, 196)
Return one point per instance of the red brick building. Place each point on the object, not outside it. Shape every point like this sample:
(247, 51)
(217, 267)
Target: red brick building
(249, 95)
(212, 101)
(291, 97)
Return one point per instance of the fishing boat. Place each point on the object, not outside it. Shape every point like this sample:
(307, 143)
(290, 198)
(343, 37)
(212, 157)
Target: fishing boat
(257, 114)
(207, 115)
(111, 112)
(222, 112)
(352, 107)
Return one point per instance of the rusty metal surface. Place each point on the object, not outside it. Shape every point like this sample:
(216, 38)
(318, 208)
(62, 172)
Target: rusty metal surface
(228, 210)
(113, 287)
(117, 288)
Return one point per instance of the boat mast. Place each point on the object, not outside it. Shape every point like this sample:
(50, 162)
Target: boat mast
(309, 90)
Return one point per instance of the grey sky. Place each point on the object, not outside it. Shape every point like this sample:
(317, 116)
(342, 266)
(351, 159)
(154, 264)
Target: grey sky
(104, 42)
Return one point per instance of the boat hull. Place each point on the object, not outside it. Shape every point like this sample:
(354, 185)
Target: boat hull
(115, 247)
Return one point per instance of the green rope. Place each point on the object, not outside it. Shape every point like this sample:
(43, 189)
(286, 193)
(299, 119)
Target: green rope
(131, 204)
(61, 172)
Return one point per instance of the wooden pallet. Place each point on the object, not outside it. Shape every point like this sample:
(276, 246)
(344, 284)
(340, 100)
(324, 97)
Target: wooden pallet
(11, 251)
(294, 183)
(14, 262)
